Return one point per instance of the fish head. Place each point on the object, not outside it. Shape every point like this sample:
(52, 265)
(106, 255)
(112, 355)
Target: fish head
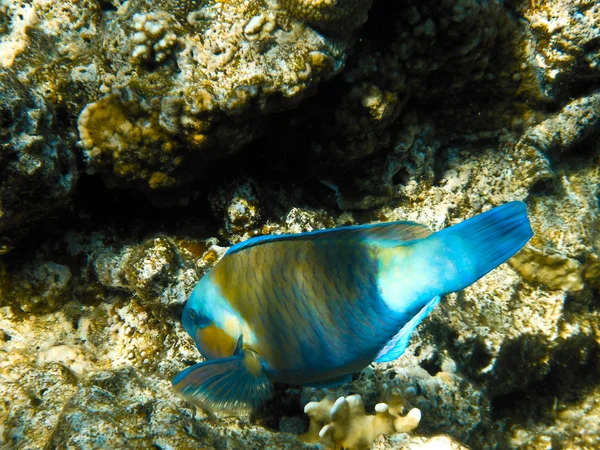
(210, 322)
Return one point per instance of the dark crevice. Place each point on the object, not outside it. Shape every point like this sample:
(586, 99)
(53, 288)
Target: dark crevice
(433, 367)
(285, 402)
(440, 165)
(107, 5)
(543, 186)
(401, 177)
(480, 357)
(568, 382)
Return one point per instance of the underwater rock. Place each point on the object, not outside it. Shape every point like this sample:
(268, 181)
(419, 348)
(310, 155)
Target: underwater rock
(120, 407)
(410, 63)
(570, 423)
(563, 44)
(175, 87)
(337, 16)
(380, 180)
(449, 402)
(418, 443)
(42, 286)
(38, 172)
(553, 270)
(562, 132)
(45, 71)
(192, 83)
(239, 205)
(159, 270)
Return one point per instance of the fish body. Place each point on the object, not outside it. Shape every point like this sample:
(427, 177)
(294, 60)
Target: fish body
(313, 308)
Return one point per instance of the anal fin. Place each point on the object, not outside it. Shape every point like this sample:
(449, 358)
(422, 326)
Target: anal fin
(237, 384)
(396, 346)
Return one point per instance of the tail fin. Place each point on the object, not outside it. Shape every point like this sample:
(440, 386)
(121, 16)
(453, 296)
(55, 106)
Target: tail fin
(451, 259)
(481, 243)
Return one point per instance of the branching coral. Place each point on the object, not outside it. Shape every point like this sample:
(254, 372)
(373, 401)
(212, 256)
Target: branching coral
(155, 37)
(345, 423)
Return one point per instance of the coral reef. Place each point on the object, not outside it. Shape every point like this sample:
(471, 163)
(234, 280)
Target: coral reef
(382, 123)
(239, 205)
(175, 86)
(335, 16)
(574, 425)
(563, 47)
(268, 117)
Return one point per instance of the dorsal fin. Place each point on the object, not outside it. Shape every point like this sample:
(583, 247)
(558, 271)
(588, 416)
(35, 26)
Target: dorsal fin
(390, 233)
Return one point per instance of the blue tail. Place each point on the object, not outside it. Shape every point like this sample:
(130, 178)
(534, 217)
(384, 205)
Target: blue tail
(451, 259)
(415, 275)
(480, 244)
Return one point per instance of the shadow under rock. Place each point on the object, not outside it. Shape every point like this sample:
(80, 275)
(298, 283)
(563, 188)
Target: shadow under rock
(570, 379)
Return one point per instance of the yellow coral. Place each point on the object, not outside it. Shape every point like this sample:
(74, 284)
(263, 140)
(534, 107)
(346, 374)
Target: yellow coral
(345, 424)
(120, 133)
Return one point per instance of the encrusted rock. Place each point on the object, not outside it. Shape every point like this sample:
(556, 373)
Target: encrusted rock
(38, 171)
(553, 270)
(193, 84)
(239, 204)
(161, 270)
(327, 14)
(43, 286)
(562, 132)
(564, 47)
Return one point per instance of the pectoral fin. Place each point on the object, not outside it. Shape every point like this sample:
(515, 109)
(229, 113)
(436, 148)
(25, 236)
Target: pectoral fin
(237, 384)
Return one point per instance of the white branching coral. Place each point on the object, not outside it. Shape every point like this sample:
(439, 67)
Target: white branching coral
(344, 423)
(154, 38)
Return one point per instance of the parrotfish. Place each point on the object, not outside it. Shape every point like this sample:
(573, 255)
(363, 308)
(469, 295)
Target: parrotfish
(313, 308)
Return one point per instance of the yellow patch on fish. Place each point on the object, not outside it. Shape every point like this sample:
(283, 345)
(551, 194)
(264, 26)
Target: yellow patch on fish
(216, 343)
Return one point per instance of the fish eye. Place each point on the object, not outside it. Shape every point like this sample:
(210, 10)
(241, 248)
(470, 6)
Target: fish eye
(198, 319)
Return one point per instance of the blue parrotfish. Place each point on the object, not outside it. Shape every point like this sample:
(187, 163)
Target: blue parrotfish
(313, 308)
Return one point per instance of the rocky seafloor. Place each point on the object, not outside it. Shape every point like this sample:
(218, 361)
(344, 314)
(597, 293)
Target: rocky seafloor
(139, 139)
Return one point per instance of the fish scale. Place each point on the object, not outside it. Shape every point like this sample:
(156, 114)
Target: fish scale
(313, 308)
